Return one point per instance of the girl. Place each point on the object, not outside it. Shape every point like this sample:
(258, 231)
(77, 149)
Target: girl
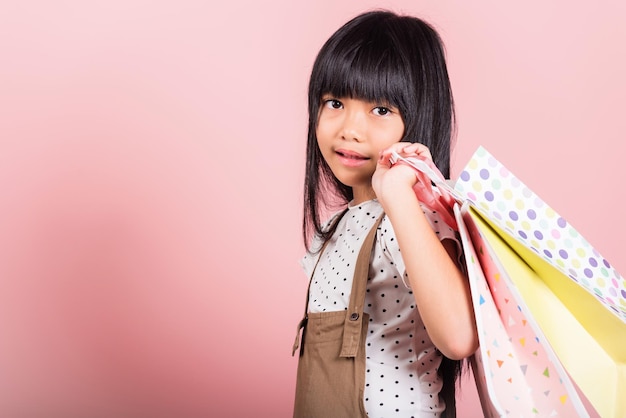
(387, 306)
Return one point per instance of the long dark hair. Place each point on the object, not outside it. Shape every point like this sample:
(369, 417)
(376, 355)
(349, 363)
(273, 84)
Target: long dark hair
(380, 56)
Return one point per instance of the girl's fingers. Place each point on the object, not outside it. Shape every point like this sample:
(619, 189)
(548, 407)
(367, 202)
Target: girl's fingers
(406, 150)
(418, 149)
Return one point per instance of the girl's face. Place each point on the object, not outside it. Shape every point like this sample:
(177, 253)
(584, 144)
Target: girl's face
(351, 133)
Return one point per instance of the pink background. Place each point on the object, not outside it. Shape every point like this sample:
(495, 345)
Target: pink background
(151, 167)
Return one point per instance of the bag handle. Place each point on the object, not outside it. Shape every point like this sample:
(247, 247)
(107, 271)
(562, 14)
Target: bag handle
(441, 197)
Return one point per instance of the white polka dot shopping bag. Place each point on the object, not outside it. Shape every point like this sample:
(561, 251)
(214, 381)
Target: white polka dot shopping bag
(516, 373)
(548, 305)
(550, 310)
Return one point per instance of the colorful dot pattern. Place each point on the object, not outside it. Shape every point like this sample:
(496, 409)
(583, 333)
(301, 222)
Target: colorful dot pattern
(505, 200)
(520, 376)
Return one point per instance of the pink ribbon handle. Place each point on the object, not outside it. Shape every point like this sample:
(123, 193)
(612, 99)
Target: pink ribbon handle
(440, 197)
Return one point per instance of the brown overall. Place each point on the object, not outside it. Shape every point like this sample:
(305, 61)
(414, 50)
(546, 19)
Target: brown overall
(331, 368)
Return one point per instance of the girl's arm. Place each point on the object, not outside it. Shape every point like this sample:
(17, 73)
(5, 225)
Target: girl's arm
(441, 291)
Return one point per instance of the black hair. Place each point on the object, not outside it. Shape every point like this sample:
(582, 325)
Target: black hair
(383, 57)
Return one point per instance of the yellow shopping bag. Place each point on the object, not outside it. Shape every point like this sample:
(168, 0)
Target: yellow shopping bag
(575, 296)
(519, 249)
(517, 373)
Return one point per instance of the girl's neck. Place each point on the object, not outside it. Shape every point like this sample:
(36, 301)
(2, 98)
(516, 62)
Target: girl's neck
(362, 194)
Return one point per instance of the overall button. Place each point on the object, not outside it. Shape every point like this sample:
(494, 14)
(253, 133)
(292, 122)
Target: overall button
(354, 316)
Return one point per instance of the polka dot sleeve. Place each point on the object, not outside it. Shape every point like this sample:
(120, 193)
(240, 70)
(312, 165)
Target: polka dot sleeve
(389, 244)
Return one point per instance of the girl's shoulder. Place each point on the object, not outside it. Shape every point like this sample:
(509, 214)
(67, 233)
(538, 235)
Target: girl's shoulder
(333, 219)
(310, 257)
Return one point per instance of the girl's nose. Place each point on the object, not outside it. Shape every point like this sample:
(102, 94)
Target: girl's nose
(353, 128)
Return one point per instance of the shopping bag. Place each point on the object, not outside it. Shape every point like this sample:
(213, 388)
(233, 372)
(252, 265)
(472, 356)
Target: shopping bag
(516, 372)
(531, 260)
(574, 295)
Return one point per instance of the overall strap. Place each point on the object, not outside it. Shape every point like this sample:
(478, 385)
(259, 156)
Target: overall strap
(354, 315)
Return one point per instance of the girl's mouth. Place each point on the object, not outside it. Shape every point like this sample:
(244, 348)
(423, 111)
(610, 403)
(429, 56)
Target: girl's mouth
(351, 158)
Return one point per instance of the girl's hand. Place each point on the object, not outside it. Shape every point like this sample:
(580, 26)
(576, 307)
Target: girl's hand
(388, 180)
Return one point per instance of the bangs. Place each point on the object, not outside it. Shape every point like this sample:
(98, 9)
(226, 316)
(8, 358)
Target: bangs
(366, 69)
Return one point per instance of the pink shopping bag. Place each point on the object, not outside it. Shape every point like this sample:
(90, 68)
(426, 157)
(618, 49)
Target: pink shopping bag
(516, 372)
(573, 294)
(546, 302)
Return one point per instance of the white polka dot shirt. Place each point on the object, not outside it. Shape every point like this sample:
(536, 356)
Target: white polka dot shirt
(401, 362)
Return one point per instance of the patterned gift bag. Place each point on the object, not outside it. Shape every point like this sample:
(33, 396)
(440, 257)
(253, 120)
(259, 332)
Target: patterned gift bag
(561, 285)
(516, 372)
(538, 288)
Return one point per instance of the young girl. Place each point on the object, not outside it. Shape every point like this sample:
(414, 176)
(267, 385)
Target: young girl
(387, 306)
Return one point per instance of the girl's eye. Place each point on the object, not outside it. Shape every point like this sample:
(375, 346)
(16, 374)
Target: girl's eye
(381, 111)
(333, 104)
